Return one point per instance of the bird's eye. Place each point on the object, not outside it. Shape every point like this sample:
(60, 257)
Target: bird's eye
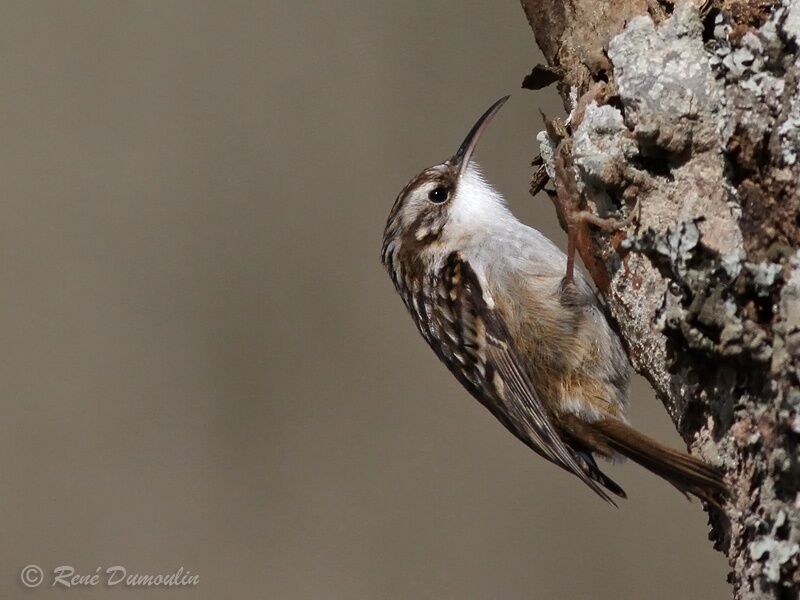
(438, 194)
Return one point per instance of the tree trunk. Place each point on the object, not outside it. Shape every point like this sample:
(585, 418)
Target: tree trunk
(694, 112)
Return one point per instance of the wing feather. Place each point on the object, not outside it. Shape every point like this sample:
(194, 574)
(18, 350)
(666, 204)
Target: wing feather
(500, 380)
(526, 408)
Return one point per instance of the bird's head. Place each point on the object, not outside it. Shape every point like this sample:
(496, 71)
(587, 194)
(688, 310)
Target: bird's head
(445, 203)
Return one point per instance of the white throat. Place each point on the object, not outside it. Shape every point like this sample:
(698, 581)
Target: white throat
(477, 211)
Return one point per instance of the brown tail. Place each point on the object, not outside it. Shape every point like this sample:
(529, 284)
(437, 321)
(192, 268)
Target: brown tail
(687, 473)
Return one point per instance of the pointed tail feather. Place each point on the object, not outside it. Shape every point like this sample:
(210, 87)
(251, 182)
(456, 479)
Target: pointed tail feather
(687, 473)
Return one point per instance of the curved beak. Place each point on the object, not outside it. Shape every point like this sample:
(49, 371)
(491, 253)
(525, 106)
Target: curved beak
(461, 158)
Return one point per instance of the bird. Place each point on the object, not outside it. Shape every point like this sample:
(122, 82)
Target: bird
(490, 296)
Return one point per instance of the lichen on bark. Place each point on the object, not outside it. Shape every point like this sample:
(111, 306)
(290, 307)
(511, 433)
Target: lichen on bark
(694, 113)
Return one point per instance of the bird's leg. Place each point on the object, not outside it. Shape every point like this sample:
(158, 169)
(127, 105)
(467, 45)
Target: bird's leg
(574, 215)
(609, 224)
(568, 202)
(566, 198)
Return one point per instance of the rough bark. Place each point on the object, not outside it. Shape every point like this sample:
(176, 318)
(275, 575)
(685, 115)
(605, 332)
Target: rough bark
(693, 110)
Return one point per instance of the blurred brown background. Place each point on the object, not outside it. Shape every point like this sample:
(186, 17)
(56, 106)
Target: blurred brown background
(203, 362)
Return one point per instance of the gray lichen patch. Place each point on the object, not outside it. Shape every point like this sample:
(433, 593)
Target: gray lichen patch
(701, 310)
(774, 551)
(603, 149)
(774, 554)
(697, 189)
(672, 102)
(786, 358)
(791, 20)
(790, 298)
(547, 150)
(670, 95)
(789, 133)
(761, 128)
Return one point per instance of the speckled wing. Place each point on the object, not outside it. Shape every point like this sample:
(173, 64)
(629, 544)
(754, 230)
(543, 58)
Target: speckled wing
(473, 341)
